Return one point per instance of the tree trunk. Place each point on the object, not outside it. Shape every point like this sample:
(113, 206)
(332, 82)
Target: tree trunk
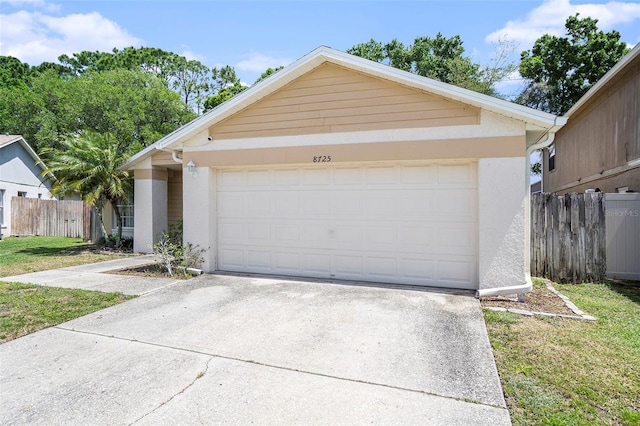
(116, 210)
(99, 206)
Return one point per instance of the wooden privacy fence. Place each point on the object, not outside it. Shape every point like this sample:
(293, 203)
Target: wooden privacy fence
(568, 237)
(59, 218)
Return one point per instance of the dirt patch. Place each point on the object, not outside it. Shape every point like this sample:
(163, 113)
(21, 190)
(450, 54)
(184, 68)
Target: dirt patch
(153, 270)
(98, 250)
(540, 299)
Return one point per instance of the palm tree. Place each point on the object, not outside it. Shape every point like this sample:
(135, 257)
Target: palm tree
(88, 165)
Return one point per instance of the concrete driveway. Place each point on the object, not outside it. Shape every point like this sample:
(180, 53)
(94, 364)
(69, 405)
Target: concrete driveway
(238, 350)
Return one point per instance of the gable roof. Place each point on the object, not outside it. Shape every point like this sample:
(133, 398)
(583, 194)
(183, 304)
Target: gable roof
(6, 140)
(538, 122)
(610, 75)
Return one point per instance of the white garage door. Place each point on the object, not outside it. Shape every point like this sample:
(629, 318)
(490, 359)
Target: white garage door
(404, 224)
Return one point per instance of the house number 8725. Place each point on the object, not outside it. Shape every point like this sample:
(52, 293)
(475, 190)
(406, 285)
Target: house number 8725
(322, 159)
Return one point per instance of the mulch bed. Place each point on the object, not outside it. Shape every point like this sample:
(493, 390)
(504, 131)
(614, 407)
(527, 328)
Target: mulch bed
(154, 270)
(540, 299)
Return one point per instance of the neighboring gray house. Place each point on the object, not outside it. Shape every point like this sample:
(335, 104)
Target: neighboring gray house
(20, 176)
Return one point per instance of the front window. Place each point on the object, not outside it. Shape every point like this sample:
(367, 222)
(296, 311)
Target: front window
(126, 212)
(22, 194)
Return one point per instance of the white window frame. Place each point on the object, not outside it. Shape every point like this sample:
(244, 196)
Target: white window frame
(126, 213)
(1, 206)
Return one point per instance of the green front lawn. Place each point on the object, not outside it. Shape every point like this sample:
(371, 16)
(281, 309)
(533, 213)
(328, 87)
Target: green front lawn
(26, 308)
(567, 372)
(31, 254)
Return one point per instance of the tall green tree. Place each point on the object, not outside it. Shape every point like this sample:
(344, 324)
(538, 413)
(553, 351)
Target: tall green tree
(136, 107)
(441, 58)
(88, 165)
(559, 70)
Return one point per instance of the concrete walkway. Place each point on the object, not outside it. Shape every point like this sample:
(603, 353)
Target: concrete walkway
(96, 276)
(225, 349)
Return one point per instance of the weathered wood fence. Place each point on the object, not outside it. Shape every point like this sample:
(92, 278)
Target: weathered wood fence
(61, 218)
(568, 241)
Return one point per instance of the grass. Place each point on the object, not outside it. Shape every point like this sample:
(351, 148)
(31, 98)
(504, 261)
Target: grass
(31, 254)
(567, 372)
(26, 308)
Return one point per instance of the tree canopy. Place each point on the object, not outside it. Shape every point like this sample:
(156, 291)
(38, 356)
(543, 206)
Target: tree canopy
(441, 58)
(559, 70)
(135, 107)
(136, 94)
(88, 165)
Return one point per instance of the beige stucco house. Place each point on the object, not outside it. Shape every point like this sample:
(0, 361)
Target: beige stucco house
(338, 167)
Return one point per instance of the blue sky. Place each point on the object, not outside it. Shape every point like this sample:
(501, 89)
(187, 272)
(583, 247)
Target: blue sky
(252, 36)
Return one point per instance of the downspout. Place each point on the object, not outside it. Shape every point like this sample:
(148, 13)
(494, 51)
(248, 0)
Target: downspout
(520, 290)
(174, 154)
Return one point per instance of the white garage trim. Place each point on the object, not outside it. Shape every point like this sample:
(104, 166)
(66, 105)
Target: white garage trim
(401, 223)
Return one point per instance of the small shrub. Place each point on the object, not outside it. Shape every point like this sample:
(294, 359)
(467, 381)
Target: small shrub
(174, 253)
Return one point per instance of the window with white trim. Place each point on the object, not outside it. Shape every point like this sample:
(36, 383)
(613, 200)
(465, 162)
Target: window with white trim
(126, 213)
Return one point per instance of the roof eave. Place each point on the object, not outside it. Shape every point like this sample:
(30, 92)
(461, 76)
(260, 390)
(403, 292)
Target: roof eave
(324, 54)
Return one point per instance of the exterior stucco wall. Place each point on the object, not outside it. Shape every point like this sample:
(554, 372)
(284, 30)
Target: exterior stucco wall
(150, 209)
(19, 173)
(200, 222)
(502, 200)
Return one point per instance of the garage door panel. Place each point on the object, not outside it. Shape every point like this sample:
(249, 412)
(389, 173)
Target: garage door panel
(319, 263)
(456, 173)
(231, 204)
(257, 178)
(421, 175)
(258, 204)
(286, 233)
(316, 206)
(381, 175)
(348, 266)
(231, 259)
(348, 176)
(397, 224)
(316, 177)
(286, 178)
(286, 205)
(418, 203)
(347, 204)
(460, 271)
(231, 179)
(457, 238)
(381, 267)
(258, 259)
(286, 261)
(419, 271)
(458, 204)
(381, 205)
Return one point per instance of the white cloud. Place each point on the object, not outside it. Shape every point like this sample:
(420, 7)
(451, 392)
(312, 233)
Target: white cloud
(35, 4)
(259, 63)
(193, 56)
(34, 37)
(549, 18)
